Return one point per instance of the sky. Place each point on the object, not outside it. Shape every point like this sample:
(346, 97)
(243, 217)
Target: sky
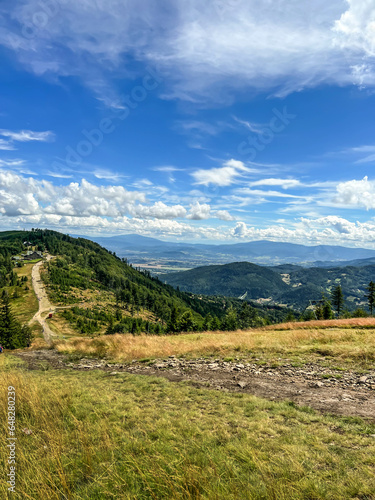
(217, 121)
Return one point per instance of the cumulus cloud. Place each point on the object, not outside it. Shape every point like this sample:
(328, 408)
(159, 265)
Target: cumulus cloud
(356, 27)
(356, 193)
(224, 215)
(202, 48)
(25, 195)
(158, 210)
(199, 211)
(87, 207)
(331, 230)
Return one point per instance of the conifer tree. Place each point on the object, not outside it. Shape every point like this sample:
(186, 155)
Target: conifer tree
(371, 296)
(338, 299)
(13, 335)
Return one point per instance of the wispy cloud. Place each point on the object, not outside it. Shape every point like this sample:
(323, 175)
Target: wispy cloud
(167, 169)
(27, 135)
(226, 175)
(6, 145)
(256, 128)
(257, 45)
(22, 136)
(283, 183)
(359, 154)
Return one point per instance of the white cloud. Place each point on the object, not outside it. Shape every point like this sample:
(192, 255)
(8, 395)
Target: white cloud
(87, 207)
(356, 27)
(356, 193)
(221, 176)
(25, 195)
(142, 184)
(282, 46)
(264, 194)
(199, 211)
(341, 225)
(96, 224)
(11, 137)
(256, 128)
(283, 183)
(167, 169)
(6, 145)
(27, 135)
(11, 163)
(330, 230)
(158, 210)
(224, 215)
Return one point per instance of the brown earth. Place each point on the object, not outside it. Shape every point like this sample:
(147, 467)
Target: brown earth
(343, 393)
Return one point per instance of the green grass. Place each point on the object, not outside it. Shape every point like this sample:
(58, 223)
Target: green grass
(97, 436)
(26, 305)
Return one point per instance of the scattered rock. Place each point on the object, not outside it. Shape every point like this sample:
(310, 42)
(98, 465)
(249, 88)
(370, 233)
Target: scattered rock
(318, 384)
(242, 384)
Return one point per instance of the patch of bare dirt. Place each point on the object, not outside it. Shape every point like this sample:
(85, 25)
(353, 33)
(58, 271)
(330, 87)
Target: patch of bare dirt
(344, 393)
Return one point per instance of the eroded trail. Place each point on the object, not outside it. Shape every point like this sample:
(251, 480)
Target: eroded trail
(350, 396)
(45, 306)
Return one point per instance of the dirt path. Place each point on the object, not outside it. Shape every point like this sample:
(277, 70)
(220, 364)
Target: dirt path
(45, 306)
(314, 386)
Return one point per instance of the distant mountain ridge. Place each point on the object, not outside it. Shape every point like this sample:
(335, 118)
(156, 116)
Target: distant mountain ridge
(142, 249)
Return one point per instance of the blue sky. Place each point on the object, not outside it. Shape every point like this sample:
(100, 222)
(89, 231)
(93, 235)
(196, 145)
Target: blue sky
(230, 121)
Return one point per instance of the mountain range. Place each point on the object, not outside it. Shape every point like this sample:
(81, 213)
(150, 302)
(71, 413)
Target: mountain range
(144, 250)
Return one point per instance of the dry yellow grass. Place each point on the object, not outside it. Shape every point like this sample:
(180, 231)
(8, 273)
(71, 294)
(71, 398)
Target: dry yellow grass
(349, 345)
(328, 323)
(60, 326)
(91, 436)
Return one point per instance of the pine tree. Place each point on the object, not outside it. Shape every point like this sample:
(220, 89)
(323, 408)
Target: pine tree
(230, 321)
(187, 323)
(338, 299)
(13, 335)
(215, 324)
(327, 310)
(371, 296)
(173, 322)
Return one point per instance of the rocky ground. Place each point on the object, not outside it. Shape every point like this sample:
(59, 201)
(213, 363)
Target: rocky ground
(345, 393)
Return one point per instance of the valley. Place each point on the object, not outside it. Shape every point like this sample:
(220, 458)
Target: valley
(136, 389)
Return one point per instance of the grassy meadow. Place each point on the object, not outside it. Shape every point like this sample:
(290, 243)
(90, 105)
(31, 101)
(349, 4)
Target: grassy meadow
(26, 305)
(347, 347)
(100, 436)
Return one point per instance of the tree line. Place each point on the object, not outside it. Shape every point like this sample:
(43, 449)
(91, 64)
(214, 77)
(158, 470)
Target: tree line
(13, 335)
(327, 307)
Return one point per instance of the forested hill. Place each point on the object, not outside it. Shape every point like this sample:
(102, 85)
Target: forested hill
(231, 280)
(291, 285)
(135, 302)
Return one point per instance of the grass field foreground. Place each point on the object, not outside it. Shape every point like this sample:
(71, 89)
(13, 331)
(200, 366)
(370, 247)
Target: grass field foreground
(96, 436)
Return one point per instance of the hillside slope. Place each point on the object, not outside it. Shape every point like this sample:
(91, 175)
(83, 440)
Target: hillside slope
(230, 280)
(96, 292)
(287, 284)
